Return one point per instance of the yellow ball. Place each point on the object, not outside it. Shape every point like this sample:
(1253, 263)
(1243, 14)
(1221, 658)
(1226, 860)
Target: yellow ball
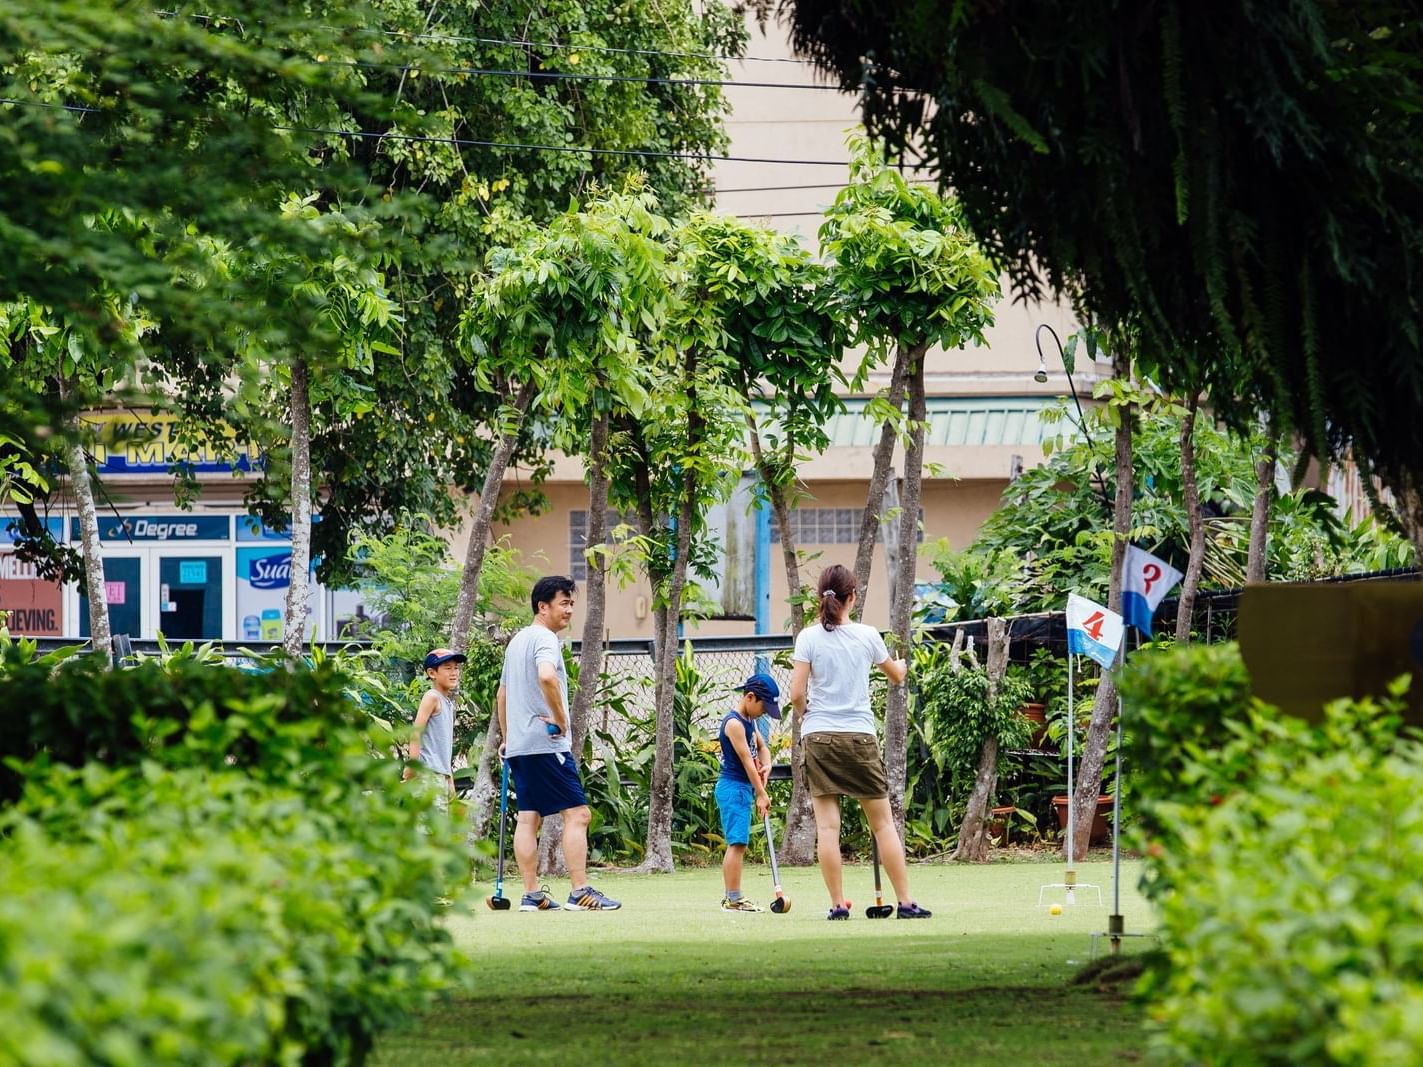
(1055, 909)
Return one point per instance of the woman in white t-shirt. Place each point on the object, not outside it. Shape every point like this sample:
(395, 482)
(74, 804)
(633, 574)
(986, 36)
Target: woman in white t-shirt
(830, 690)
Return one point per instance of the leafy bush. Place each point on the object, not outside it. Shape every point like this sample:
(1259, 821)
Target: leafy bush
(224, 871)
(1293, 927)
(153, 916)
(282, 722)
(1192, 727)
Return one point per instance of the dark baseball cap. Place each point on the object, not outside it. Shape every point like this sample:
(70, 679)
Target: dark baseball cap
(437, 656)
(765, 687)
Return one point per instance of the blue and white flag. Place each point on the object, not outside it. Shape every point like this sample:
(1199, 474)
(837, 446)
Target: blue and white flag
(1145, 582)
(1092, 630)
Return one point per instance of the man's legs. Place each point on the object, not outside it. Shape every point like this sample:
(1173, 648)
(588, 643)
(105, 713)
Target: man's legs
(827, 845)
(526, 848)
(575, 844)
(891, 849)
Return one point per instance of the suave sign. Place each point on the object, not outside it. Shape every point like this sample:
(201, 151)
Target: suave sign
(271, 572)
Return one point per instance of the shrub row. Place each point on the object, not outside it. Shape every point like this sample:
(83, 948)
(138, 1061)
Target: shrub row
(234, 882)
(1287, 860)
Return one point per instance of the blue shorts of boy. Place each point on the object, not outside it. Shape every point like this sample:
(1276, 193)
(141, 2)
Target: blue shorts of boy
(733, 801)
(547, 782)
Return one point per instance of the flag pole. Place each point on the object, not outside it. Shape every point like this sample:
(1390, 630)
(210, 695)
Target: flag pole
(1071, 879)
(1116, 925)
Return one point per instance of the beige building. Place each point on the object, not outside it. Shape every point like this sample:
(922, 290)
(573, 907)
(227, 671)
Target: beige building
(983, 402)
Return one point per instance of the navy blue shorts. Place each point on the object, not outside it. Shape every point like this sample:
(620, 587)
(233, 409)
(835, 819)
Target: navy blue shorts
(547, 782)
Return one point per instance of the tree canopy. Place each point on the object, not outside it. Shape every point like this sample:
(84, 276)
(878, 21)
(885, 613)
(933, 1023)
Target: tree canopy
(1244, 181)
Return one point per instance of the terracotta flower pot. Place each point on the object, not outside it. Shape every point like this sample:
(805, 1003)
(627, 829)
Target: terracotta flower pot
(1101, 821)
(1037, 715)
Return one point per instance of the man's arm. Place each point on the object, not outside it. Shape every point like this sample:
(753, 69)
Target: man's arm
(501, 706)
(553, 696)
(422, 716)
(748, 763)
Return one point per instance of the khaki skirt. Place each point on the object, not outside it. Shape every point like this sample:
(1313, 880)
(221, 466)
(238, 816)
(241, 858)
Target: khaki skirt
(845, 765)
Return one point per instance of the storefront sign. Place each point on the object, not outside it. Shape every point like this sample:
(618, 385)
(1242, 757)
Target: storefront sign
(32, 607)
(263, 577)
(146, 443)
(160, 528)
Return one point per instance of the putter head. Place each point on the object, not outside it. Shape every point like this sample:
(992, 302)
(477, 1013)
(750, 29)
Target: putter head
(780, 905)
(499, 903)
(879, 911)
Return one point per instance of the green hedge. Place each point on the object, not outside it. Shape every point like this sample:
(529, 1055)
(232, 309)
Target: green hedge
(204, 865)
(1295, 931)
(1287, 859)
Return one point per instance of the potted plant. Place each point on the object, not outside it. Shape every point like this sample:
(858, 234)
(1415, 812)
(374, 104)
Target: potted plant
(1101, 821)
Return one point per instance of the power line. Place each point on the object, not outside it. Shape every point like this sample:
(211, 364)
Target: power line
(797, 188)
(608, 49)
(551, 45)
(645, 153)
(564, 75)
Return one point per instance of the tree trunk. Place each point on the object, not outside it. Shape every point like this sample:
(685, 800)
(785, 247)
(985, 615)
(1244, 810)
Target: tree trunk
(100, 637)
(1192, 500)
(896, 710)
(1256, 560)
(797, 847)
(590, 653)
(483, 518)
(658, 854)
(486, 787)
(879, 478)
(781, 507)
(1094, 745)
(294, 638)
(973, 832)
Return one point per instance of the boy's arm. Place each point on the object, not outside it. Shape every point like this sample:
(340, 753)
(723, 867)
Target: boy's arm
(764, 757)
(743, 753)
(422, 716)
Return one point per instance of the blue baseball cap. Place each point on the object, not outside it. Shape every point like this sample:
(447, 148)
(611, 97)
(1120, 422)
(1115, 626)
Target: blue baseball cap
(765, 687)
(443, 655)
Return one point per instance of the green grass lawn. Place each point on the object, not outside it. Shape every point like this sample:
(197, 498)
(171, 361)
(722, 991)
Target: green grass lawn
(671, 979)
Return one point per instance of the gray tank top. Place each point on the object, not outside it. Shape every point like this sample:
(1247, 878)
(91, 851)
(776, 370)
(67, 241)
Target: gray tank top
(437, 743)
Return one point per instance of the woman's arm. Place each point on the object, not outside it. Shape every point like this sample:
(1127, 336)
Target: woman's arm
(896, 670)
(800, 675)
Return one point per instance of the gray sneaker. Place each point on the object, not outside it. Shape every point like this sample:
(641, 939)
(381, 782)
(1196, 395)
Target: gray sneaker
(539, 901)
(589, 899)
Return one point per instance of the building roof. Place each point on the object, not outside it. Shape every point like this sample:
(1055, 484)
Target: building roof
(968, 421)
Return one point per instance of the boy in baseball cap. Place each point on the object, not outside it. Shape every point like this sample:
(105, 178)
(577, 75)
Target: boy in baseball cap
(745, 767)
(433, 741)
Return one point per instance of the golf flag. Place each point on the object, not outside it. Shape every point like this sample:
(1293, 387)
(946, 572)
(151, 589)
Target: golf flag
(1092, 630)
(1145, 582)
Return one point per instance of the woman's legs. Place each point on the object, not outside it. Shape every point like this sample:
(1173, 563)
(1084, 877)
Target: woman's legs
(827, 845)
(891, 850)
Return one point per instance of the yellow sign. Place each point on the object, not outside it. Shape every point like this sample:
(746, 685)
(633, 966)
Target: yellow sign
(146, 443)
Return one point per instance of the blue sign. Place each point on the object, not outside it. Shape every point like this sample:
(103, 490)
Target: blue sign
(250, 528)
(151, 528)
(268, 572)
(10, 529)
(193, 572)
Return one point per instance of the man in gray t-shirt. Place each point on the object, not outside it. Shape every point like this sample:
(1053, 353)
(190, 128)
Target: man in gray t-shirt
(533, 719)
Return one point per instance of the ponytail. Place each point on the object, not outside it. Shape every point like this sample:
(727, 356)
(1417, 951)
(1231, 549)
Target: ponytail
(836, 587)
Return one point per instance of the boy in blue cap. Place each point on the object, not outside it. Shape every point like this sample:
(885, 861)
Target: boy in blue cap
(745, 767)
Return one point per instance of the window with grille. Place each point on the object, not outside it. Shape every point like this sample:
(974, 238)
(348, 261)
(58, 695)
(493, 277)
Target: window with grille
(578, 539)
(829, 526)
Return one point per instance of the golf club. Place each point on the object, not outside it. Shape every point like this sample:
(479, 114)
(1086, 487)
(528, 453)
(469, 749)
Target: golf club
(499, 902)
(782, 903)
(878, 910)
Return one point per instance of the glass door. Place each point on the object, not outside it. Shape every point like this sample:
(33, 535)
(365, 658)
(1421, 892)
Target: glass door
(190, 597)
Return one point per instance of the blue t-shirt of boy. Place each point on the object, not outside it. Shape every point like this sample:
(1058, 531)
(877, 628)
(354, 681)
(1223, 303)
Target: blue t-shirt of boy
(731, 768)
